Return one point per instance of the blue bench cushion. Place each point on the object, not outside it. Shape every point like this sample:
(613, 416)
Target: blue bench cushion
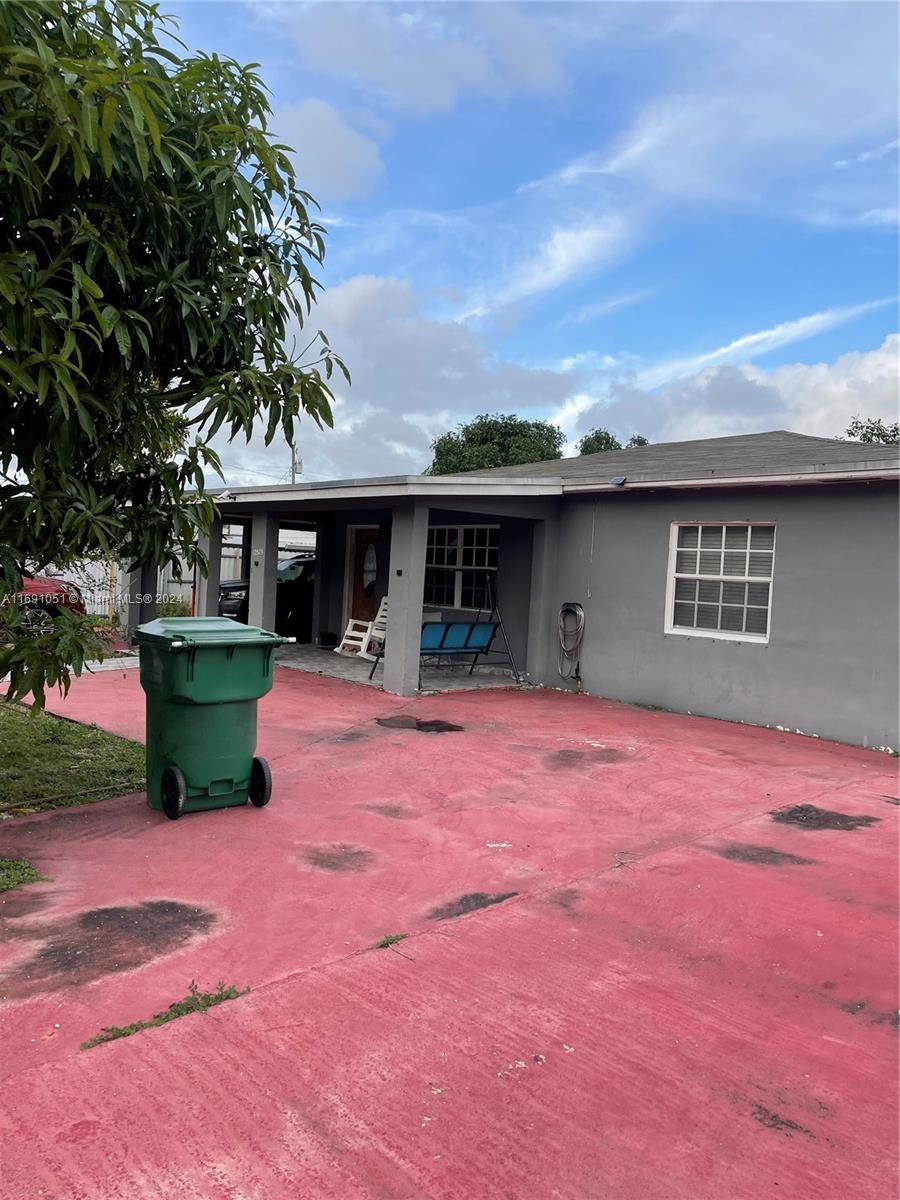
(457, 637)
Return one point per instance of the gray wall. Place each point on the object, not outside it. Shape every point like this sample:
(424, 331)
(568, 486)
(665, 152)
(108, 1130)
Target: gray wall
(830, 667)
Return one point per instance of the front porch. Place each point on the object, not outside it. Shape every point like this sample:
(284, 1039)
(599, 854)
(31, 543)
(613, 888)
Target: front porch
(438, 550)
(452, 677)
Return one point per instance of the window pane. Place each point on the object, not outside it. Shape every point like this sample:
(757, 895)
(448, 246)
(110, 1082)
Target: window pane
(688, 536)
(762, 537)
(711, 537)
(760, 564)
(757, 620)
(732, 618)
(492, 556)
(710, 562)
(684, 615)
(707, 616)
(468, 556)
(758, 593)
(709, 592)
(733, 593)
(735, 563)
(686, 589)
(736, 537)
(686, 562)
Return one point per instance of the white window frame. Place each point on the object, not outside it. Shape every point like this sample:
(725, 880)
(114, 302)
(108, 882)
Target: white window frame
(458, 569)
(725, 635)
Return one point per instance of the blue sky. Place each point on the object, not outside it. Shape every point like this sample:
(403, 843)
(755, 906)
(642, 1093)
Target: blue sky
(673, 219)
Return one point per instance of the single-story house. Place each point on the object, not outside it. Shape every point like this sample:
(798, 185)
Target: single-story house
(752, 578)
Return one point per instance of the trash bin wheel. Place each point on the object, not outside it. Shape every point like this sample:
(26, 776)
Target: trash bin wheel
(173, 793)
(260, 783)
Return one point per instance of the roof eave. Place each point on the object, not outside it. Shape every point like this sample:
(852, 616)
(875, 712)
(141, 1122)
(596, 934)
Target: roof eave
(718, 481)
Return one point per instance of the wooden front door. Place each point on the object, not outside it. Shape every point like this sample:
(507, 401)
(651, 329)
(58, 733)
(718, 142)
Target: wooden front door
(364, 572)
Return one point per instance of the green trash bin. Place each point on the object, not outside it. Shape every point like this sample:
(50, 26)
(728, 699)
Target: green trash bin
(202, 677)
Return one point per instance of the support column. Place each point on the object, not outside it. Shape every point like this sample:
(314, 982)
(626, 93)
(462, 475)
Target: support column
(318, 606)
(263, 570)
(206, 590)
(406, 590)
(542, 626)
(246, 547)
(139, 596)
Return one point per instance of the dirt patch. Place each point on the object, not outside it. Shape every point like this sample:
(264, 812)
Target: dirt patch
(102, 941)
(468, 903)
(773, 1120)
(342, 858)
(565, 898)
(416, 723)
(808, 816)
(585, 758)
(760, 856)
(395, 812)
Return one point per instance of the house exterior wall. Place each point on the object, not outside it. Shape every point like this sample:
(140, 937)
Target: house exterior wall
(830, 666)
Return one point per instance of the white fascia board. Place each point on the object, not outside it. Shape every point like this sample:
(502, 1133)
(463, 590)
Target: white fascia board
(407, 487)
(719, 481)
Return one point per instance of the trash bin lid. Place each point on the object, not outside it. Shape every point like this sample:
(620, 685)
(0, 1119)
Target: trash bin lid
(203, 631)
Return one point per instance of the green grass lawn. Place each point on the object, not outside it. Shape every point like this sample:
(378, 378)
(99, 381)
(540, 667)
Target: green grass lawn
(44, 758)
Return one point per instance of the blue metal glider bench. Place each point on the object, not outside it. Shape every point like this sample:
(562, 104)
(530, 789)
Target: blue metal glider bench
(453, 639)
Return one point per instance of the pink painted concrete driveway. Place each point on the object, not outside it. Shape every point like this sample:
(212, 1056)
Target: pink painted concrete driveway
(625, 978)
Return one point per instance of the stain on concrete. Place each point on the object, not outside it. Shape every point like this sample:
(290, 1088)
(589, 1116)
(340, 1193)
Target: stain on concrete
(85, 947)
(340, 857)
(875, 1017)
(565, 898)
(773, 1120)
(895, 800)
(808, 816)
(468, 903)
(585, 758)
(352, 735)
(417, 723)
(760, 856)
(394, 812)
(19, 904)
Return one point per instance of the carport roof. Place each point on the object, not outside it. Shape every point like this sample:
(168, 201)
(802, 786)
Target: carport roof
(778, 457)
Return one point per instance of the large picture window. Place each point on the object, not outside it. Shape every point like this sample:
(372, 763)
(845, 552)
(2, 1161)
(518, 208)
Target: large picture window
(720, 581)
(457, 561)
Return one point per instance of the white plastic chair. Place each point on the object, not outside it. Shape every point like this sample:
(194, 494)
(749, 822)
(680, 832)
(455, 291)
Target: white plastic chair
(360, 634)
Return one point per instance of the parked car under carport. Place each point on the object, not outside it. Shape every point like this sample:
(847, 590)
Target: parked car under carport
(293, 597)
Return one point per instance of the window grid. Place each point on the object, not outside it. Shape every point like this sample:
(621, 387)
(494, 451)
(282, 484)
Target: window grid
(722, 580)
(456, 559)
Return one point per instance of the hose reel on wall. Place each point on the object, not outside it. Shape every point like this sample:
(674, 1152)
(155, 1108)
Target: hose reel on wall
(571, 634)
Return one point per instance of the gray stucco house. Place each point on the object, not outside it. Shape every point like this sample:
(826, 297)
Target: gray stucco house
(751, 578)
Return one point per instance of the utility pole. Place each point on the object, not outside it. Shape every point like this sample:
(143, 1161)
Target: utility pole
(296, 466)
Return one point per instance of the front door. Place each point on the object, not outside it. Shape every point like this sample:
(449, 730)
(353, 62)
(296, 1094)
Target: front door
(363, 573)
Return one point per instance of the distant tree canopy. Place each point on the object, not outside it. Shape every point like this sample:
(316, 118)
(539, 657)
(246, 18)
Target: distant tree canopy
(495, 440)
(600, 440)
(873, 429)
(156, 256)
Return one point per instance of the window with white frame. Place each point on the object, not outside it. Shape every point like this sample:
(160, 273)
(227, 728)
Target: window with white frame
(459, 559)
(720, 580)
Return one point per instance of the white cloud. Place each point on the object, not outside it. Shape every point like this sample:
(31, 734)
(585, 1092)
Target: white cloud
(759, 101)
(568, 253)
(752, 345)
(870, 155)
(333, 160)
(818, 398)
(413, 378)
(424, 59)
(593, 312)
